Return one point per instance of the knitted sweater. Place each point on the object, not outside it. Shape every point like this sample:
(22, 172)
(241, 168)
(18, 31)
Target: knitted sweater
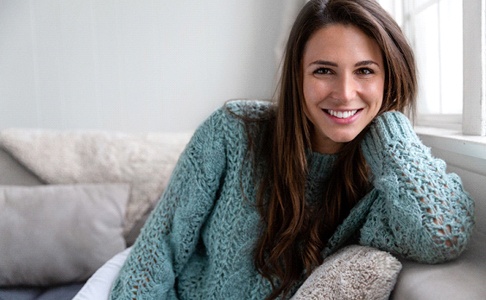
(198, 243)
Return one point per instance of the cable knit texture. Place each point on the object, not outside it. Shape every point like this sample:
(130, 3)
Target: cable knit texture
(198, 243)
(420, 212)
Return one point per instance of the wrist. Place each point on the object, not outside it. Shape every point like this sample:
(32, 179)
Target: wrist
(386, 132)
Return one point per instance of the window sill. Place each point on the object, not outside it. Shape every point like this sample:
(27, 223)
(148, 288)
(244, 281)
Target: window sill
(459, 150)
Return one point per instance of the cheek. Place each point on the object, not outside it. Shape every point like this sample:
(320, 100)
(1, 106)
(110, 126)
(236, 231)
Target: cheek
(375, 95)
(380, 91)
(307, 90)
(309, 96)
(311, 99)
(314, 91)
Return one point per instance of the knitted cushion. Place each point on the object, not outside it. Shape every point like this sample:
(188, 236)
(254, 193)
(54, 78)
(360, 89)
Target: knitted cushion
(354, 272)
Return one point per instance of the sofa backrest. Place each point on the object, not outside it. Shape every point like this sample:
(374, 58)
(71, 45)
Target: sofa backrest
(13, 173)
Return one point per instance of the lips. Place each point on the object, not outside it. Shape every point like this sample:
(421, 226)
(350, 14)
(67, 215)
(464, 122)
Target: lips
(342, 114)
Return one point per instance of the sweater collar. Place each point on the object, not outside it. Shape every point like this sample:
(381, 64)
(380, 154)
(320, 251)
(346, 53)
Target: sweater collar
(319, 165)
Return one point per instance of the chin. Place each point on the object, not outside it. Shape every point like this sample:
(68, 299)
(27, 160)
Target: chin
(345, 138)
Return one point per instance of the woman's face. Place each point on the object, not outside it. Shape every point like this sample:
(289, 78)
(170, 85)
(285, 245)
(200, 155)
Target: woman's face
(343, 83)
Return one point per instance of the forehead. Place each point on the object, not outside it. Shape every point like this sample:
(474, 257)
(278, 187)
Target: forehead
(339, 42)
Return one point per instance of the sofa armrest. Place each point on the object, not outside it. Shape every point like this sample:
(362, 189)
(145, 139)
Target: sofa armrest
(463, 278)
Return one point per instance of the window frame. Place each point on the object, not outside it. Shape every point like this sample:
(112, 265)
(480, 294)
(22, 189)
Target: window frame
(474, 64)
(472, 121)
(438, 120)
(460, 139)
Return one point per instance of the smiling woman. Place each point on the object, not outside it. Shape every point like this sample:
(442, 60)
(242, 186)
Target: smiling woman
(343, 83)
(264, 192)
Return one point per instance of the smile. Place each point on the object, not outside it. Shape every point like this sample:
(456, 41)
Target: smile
(341, 114)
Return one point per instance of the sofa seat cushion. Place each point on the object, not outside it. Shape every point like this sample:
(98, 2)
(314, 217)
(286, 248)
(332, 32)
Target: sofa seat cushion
(63, 292)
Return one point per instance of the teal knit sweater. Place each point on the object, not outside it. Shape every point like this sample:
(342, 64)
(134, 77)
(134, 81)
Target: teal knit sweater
(199, 241)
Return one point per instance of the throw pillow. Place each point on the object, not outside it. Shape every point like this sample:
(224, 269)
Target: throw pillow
(354, 273)
(67, 157)
(56, 234)
(13, 173)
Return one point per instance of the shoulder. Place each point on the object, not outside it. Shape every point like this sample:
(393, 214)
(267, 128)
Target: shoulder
(232, 120)
(235, 117)
(256, 110)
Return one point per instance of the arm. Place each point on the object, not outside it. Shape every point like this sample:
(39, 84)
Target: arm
(172, 232)
(421, 212)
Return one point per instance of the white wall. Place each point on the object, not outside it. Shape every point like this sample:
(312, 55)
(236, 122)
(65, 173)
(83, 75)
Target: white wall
(134, 65)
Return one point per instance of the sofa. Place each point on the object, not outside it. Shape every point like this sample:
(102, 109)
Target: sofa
(71, 200)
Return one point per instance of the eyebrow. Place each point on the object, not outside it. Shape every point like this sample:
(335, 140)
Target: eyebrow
(323, 63)
(333, 64)
(366, 63)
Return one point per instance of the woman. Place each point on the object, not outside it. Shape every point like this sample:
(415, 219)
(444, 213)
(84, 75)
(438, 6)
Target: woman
(264, 192)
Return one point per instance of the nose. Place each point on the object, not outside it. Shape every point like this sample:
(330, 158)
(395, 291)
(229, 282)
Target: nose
(345, 88)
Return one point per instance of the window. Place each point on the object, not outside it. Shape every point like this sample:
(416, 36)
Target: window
(448, 36)
(435, 31)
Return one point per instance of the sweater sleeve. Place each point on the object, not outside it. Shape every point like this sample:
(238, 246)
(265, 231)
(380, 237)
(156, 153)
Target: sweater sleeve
(420, 212)
(172, 231)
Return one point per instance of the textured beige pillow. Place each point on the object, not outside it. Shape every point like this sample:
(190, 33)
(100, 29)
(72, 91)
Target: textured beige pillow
(353, 273)
(57, 234)
(145, 161)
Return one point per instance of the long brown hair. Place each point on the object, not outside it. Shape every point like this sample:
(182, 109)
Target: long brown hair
(290, 246)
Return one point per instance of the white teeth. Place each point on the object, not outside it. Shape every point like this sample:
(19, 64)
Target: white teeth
(342, 114)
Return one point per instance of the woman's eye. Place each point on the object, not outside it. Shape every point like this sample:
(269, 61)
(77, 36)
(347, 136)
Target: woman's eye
(365, 71)
(323, 71)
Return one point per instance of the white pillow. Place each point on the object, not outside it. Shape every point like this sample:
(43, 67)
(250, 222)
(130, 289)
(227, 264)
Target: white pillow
(98, 287)
(57, 234)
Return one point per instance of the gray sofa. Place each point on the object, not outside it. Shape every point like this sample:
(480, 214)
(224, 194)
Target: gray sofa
(464, 278)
